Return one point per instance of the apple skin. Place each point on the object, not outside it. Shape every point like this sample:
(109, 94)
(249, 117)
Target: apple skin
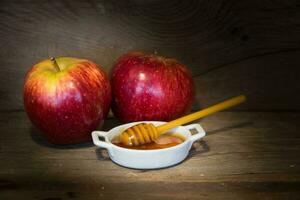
(67, 104)
(150, 87)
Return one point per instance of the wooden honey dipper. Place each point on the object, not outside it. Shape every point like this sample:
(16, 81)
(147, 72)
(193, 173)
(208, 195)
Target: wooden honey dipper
(146, 132)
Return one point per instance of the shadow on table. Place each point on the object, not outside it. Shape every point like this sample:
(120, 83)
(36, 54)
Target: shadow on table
(220, 130)
(102, 154)
(39, 139)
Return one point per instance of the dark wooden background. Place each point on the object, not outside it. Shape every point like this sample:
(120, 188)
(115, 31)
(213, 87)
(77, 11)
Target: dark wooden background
(232, 47)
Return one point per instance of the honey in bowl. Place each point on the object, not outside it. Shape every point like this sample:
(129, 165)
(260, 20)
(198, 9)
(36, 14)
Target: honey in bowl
(164, 141)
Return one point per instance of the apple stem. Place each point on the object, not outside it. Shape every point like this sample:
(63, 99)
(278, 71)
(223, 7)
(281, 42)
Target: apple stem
(55, 64)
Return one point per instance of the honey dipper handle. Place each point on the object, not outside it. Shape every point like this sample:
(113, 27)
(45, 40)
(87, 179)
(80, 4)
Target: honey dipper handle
(202, 113)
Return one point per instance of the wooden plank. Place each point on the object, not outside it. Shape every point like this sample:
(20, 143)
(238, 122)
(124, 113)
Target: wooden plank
(268, 82)
(230, 47)
(245, 155)
(158, 190)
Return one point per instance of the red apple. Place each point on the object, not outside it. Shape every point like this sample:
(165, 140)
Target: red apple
(66, 98)
(150, 87)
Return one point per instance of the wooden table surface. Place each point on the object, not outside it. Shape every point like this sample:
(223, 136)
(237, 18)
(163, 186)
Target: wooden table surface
(245, 155)
(249, 47)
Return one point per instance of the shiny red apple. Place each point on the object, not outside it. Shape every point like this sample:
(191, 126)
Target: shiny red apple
(66, 98)
(150, 87)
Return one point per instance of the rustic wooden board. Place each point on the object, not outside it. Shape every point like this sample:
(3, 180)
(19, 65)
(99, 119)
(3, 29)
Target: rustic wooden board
(245, 155)
(231, 47)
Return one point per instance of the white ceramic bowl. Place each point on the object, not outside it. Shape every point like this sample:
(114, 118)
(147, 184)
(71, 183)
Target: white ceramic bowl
(148, 159)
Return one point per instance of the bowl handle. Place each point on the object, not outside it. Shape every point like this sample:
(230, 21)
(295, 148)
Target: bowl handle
(97, 142)
(200, 131)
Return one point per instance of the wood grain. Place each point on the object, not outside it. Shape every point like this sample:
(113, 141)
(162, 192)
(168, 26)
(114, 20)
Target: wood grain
(231, 47)
(245, 155)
